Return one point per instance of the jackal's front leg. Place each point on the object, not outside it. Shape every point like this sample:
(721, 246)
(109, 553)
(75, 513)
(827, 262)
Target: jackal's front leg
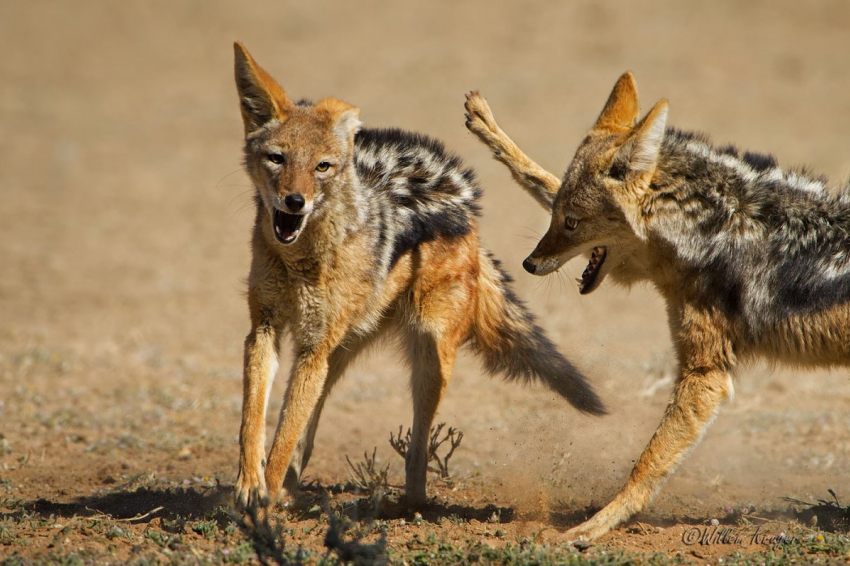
(342, 356)
(541, 184)
(261, 362)
(695, 402)
(300, 401)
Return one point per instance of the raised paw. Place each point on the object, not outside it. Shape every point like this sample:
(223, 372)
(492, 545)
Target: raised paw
(479, 117)
(251, 489)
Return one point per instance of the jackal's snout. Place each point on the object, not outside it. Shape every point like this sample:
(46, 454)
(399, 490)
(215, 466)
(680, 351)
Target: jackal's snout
(294, 202)
(289, 216)
(541, 265)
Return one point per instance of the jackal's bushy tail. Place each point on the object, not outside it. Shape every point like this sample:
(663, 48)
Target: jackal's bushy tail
(511, 343)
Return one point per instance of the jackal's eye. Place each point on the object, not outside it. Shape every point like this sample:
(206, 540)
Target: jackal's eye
(323, 166)
(276, 158)
(570, 223)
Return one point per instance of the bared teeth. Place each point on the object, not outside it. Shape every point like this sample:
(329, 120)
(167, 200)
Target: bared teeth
(597, 256)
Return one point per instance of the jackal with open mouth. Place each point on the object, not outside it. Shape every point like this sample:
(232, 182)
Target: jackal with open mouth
(752, 260)
(358, 233)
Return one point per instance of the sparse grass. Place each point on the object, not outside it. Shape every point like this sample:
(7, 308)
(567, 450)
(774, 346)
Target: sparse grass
(8, 532)
(804, 546)
(219, 536)
(5, 447)
(182, 517)
(434, 550)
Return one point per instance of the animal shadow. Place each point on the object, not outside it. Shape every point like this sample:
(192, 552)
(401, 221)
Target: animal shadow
(142, 504)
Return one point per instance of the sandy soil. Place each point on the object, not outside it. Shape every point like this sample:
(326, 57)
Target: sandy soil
(125, 220)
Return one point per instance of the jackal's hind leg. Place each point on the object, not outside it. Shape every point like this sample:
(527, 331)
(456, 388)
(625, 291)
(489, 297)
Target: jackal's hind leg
(695, 403)
(432, 369)
(541, 184)
(444, 322)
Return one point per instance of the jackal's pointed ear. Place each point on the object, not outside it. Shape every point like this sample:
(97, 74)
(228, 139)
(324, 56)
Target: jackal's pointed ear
(260, 97)
(647, 138)
(621, 110)
(342, 117)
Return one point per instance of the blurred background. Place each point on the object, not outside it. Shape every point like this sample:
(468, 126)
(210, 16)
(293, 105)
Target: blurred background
(125, 220)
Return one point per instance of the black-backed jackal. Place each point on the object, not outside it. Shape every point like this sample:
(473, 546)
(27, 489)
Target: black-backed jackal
(359, 232)
(752, 260)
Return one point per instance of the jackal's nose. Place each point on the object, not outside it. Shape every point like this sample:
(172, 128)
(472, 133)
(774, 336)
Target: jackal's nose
(294, 202)
(528, 266)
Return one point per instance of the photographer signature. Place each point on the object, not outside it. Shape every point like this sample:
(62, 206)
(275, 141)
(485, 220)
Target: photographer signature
(707, 536)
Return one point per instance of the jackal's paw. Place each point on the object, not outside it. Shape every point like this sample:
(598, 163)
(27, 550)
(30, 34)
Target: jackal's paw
(587, 531)
(251, 490)
(479, 117)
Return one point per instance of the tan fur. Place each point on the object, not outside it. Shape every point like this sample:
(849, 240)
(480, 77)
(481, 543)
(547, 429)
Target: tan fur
(269, 94)
(709, 344)
(621, 110)
(540, 183)
(443, 297)
(325, 287)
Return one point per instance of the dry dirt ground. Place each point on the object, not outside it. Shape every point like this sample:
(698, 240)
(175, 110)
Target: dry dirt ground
(124, 223)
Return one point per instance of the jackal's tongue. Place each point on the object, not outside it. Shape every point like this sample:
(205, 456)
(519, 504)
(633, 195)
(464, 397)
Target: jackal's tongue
(591, 272)
(286, 225)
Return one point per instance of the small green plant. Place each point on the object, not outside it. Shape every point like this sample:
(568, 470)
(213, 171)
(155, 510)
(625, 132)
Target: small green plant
(5, 447)
(8, 531)
(401, 444)
(163, 539)
(206, 529)
(116, 532)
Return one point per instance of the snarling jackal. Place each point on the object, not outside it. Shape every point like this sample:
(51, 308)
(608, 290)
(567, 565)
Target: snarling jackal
(358, 233)
(752, 260)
